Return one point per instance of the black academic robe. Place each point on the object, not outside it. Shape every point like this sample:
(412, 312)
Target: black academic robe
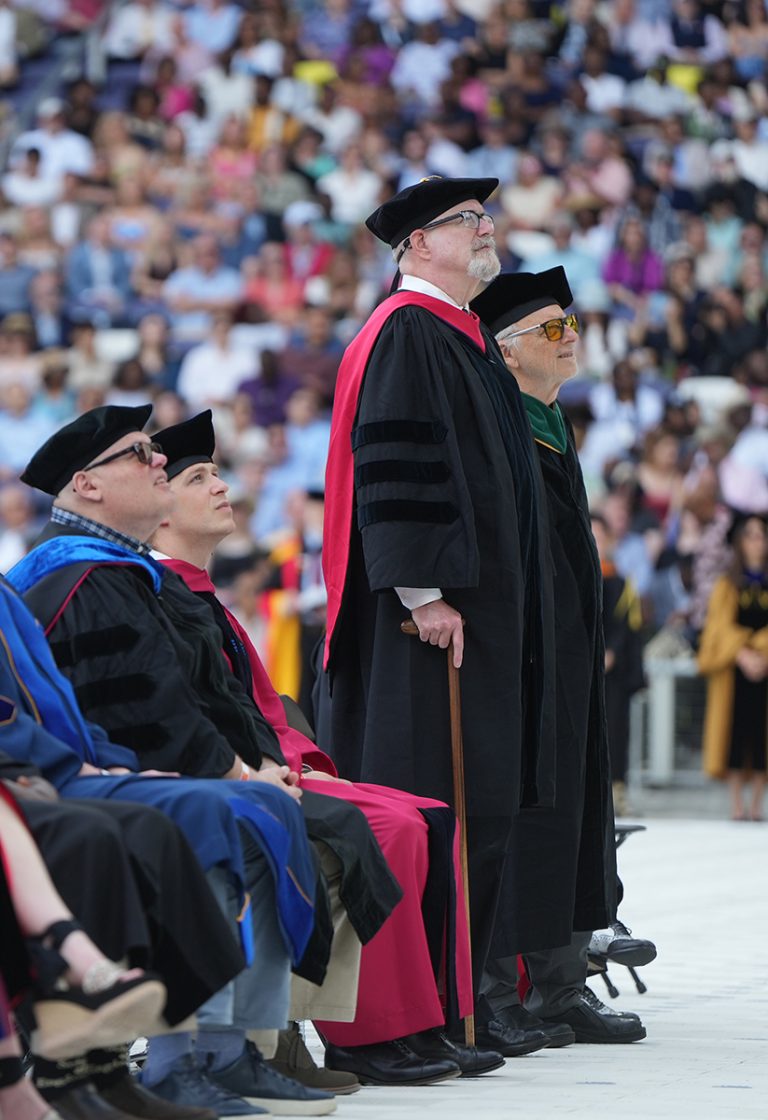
(447, 493)
(149, 670)
(563, 858)
(623, 621)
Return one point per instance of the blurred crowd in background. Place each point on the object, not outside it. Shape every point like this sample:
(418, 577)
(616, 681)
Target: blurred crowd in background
(188, 229)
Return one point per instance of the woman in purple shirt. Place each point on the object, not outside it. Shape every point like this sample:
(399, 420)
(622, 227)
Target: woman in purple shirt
(632, 270)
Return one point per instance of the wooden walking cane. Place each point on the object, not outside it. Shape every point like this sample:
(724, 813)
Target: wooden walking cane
(459, 799)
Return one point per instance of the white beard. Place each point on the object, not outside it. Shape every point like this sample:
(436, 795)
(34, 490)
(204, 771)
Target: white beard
(484, 267)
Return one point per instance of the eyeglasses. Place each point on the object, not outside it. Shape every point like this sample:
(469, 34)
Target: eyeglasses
(143, 452)
(470, 218)
(554, 329)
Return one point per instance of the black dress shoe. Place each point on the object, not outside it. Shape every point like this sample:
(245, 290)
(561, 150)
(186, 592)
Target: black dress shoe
(592, 1021)
(519, 1018)
(471, 1060)
(82, 1102)
(616, 943)
(390, 1063)
(128, 1095)
(512, 1042)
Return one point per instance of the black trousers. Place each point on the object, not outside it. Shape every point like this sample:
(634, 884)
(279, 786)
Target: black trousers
(132, 880)
(557, 978)
(486, 848)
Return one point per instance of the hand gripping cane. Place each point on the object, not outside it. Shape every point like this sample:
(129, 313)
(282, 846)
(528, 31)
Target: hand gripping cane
(459, 800)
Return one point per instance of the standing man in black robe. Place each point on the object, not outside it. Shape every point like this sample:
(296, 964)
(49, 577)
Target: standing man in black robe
(435, 511)
(562, 858)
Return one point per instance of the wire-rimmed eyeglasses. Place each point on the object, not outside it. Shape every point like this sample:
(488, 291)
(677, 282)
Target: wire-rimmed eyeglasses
(554, 329)
(470, 218)
(142, 450)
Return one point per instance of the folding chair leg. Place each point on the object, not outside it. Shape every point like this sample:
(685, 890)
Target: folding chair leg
(613, 991)
(642, 989)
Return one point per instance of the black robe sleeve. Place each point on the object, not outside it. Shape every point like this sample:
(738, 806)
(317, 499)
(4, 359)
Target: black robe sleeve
(413, 506)
(132, 674)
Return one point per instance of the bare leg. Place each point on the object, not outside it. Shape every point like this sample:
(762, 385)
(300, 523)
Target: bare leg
(20, 1099)
(37, 902)
(758, 791)
(736, 786)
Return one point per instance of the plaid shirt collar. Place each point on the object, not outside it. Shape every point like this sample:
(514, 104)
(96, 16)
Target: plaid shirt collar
(95, 529)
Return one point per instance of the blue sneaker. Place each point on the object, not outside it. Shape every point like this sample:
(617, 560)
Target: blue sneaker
(251, 1078)
(189, 1086)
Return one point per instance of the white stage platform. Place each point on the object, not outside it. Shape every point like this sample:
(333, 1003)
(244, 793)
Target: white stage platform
(699, 889)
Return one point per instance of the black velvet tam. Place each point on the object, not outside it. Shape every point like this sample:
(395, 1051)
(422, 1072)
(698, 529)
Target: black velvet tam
(77, 444)
(419, 204)
(190, 442)
(513, 295)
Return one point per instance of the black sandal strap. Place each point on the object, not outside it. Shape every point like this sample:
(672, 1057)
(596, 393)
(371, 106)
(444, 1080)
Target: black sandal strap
(11, 1072)
(57, 933)
(48, 963)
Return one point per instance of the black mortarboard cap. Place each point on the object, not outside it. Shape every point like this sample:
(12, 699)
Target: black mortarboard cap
(77, 444)
(513, 295)
(192, 441)
(417, 205)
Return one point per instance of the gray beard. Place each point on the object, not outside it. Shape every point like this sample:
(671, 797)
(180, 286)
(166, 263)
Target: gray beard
(486, 266)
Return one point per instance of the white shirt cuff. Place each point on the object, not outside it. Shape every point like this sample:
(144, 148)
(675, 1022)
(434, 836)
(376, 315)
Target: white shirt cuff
(412, 597)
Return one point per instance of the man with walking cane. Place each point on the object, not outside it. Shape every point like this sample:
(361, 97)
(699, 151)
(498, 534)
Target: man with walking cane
(414, 974)
(562, 858)
(435, 512)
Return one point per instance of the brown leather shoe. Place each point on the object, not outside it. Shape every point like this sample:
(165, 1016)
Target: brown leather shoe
(82, 1102)
(127, 1095)
(293, 1059)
